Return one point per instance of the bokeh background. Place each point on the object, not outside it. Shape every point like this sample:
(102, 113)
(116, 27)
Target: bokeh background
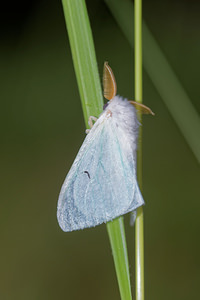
(42, 129)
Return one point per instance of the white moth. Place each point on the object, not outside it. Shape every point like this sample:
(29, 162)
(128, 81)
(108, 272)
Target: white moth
(101, 184)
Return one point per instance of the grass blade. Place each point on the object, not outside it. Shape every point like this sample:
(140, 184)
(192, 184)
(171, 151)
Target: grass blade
(84, 58)
(118, 241)
(85, 64)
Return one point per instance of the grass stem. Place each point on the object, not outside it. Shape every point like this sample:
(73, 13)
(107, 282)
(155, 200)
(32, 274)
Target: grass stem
(139, 230)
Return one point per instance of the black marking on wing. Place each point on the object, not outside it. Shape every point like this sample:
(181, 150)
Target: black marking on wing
(86, 172)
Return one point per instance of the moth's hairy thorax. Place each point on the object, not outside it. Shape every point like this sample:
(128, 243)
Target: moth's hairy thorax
(124, 117)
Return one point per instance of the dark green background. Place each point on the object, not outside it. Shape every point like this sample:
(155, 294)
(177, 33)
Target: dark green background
(42, 129)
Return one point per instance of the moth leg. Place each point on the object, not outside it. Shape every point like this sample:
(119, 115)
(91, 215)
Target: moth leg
(133, 216)
(90, 123)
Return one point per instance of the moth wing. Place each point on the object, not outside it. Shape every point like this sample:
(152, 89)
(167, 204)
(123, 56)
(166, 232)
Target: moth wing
(101, 184)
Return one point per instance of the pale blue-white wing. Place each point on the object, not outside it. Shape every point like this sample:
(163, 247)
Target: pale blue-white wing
(101, 184)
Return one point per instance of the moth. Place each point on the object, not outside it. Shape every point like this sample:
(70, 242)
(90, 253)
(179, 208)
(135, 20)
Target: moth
(102, 184)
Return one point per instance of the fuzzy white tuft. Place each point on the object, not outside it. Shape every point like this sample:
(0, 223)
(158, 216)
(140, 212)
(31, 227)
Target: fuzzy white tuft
(125, 118)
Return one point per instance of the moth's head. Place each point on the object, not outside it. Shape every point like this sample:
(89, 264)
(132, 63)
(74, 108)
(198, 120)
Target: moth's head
(110, 90)
(105, 105)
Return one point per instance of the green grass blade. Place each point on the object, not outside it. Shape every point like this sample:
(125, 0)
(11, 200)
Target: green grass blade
(85, 64)
(162, 75)
(84, 58)
(172, 92)
(118, 241)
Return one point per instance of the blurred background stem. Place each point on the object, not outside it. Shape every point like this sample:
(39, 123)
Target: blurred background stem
(162, 75)
(84, 59)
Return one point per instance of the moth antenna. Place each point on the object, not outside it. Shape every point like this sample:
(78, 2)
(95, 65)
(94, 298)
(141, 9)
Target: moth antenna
(109, 83)
(143, 108)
